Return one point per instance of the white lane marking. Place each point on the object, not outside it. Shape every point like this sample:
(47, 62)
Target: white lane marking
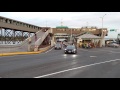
(93, 56)
(108, 51)
(114, 52)
(76, 68)
(101, 50)
(96, 50)
(49, 50)
(89, 51)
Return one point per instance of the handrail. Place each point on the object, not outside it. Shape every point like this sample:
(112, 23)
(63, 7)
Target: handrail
(40, 40)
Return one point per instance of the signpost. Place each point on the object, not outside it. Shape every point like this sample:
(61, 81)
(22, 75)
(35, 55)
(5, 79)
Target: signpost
(113, 30)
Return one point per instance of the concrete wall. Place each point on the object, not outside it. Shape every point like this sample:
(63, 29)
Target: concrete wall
(78, 31)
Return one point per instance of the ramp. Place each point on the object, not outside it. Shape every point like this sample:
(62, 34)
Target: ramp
(23, 47)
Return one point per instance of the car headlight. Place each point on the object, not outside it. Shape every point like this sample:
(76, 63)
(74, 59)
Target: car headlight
(74, 49)
(65, 49)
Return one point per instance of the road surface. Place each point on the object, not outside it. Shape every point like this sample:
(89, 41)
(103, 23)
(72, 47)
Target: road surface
(87, 63)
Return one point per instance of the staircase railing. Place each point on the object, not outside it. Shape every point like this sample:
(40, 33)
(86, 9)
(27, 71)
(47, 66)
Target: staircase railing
(41, 39)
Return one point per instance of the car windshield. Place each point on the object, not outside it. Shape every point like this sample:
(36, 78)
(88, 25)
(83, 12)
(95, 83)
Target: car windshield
(57, 45)
(70, 47)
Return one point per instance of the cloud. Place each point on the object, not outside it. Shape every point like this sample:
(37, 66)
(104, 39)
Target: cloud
(70, 19)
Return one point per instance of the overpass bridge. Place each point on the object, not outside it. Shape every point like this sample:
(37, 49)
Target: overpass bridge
(13, 30)
(8, 23)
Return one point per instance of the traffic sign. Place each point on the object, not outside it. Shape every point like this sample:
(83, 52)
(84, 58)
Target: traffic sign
(113, 29)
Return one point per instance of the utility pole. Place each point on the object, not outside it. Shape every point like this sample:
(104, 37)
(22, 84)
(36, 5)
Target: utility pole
(102, 35)
(87, 24)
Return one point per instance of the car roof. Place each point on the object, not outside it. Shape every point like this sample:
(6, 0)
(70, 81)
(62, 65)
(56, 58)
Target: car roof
(71, 46)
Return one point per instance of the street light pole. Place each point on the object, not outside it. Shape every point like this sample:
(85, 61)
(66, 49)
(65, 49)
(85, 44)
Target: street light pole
(71, 35)
(102, 24)
(102, 36)
(87, 24)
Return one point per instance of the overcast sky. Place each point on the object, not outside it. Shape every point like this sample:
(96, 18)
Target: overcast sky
(71, 19)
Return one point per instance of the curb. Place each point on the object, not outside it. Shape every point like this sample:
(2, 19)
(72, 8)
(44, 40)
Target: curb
(24, 53)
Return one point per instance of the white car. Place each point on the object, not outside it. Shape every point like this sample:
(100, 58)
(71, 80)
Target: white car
(113, 45)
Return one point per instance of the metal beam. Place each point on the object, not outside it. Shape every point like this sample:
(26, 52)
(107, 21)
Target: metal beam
(1, 36)
(18, 25)
(10, 36)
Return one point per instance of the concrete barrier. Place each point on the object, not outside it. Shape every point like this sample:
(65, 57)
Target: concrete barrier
(25, 53)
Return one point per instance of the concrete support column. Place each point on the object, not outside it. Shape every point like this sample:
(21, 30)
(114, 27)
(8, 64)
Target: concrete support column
(78, 43)
(52, 41)
(28, 34)
(22, 36)
(13, 36)
(36, 48)
(102, 41)
(5, 35)
(29, 46)
(1, 36)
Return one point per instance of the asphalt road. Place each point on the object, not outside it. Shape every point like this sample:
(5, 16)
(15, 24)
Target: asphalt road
(87, 63)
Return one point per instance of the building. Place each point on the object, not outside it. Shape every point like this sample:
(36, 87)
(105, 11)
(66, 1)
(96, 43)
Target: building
(88, 38)
(66, 32)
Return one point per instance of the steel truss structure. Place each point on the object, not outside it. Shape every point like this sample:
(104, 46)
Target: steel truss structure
(10, 36)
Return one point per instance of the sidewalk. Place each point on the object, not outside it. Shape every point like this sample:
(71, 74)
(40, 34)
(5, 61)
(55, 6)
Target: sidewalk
(25, 53)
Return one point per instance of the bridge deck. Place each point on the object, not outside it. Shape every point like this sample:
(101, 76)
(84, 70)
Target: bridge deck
(8, 23)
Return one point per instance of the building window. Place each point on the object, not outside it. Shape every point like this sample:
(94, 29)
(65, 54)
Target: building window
(10, 21)
(93, 29)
